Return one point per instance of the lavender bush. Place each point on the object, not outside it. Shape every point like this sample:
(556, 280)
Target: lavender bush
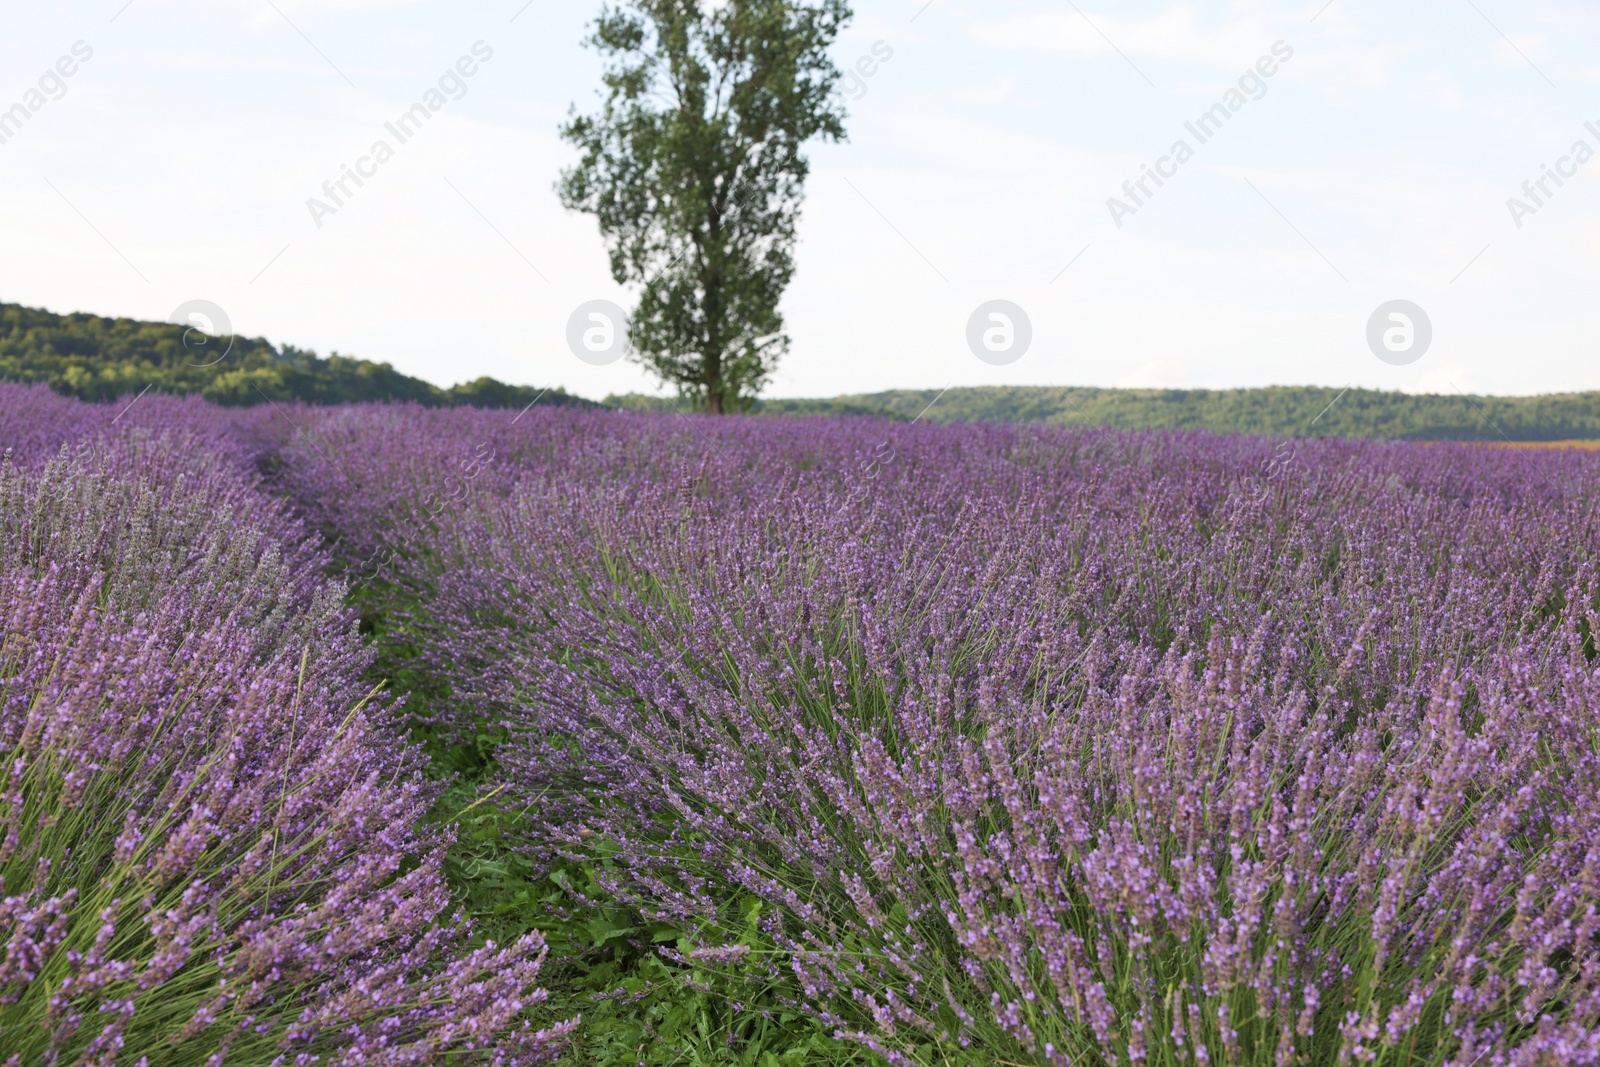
(211, 842)
(974, 744)
(1059, 748)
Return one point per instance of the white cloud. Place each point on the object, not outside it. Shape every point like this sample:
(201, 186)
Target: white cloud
(257, 14)
(1175, 34)
(994, 92)
(1449, 379)
(1156, 374)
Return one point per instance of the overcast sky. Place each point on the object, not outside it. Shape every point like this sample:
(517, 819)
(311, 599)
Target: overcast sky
(1375, 163)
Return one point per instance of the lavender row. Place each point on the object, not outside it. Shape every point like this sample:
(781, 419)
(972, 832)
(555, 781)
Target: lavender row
(1026, 744)
(1038, 744)
(212, 840)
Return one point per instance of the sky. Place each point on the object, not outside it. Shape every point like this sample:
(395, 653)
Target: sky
(1360, 152)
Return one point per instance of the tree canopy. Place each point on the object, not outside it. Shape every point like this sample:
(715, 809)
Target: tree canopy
(693, 169)
(94, 357)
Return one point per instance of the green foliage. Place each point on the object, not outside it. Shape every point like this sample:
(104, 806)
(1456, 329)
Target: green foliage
(638, 1005)
(829, 408)
(96, 358)
(693, 170)
(1286, 411)
(1279, 411)
(661, 405)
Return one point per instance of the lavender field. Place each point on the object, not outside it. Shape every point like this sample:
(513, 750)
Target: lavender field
(384, 735)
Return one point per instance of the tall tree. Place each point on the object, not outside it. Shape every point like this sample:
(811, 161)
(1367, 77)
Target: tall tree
(694, 170)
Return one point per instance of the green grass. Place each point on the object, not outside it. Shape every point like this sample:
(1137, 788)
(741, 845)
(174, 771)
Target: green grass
(638, 1007)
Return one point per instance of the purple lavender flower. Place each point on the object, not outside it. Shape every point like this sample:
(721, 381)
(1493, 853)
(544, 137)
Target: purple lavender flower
(1040, 745)
(212, 846)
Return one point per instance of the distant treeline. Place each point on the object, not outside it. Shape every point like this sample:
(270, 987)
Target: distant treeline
(1279, 411)
(843, 405)
(1274, 411)
(97, 358)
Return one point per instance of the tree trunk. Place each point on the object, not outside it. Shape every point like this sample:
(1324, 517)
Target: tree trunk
(712, 358)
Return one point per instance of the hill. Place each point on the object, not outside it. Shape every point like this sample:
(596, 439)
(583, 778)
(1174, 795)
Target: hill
(1303, 411)
(97, 358)
(1273, 411)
